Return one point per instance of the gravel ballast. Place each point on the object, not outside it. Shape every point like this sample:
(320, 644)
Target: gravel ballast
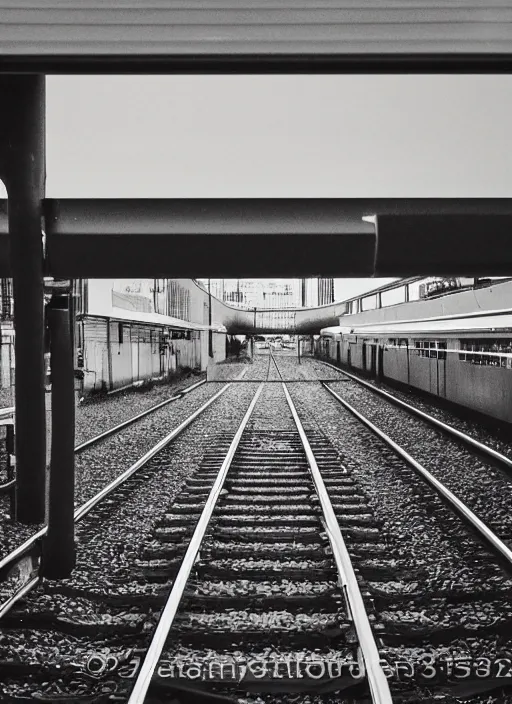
(96, 467)
(432, 587)
(479, 484)
(108, 544)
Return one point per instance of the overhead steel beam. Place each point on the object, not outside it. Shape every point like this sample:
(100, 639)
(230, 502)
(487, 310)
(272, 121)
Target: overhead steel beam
(261, 64)
(225, 238)
(467, 245)
(232, 238)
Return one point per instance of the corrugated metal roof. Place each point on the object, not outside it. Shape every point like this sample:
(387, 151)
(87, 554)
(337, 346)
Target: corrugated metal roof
(257, 27)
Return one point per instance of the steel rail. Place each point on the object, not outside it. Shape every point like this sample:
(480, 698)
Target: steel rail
(7, 486)
(88, 505)
(466, 513)
(32, 543)
(6, 413)
(126, 423)
(170, 609)
(463, 437)
(278, 370)
(377, 680)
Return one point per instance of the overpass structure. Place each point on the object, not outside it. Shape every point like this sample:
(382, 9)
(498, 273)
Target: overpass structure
(260, 321)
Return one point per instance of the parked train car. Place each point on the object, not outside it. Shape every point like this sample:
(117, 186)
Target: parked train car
(464, 360)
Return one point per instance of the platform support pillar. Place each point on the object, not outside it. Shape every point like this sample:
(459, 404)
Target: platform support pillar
(22, 169)
(59, 544)
(210, 332)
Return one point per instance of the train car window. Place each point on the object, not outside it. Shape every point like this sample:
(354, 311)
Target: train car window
(487, 352)
(432, 349)
(393, 296)
(369, 303)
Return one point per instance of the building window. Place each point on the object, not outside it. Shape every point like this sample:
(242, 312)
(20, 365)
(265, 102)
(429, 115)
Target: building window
(180, 335)
(487, 352)
(120, 333)
(178, 301)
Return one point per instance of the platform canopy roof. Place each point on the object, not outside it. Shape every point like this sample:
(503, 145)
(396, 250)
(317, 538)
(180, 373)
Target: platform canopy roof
(254, 35)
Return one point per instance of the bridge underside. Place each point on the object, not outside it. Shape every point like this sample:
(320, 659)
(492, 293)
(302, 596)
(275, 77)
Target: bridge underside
(304, 321)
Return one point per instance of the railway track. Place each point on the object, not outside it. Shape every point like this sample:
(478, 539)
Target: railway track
(237, 555)
(7, 417)
(274, 570)
(271, 579)
(8, 413)
(473, 477)
(403, 623)
(490, 453)
(19, 568)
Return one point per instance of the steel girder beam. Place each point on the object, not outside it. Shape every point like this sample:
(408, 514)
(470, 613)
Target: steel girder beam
(260, 64)
(231, 238)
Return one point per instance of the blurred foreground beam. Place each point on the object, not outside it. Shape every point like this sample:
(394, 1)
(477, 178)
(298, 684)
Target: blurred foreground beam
(260, 237)
(444, 245)
(22, 168)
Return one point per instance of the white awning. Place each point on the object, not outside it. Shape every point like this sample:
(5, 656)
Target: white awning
(158, 319)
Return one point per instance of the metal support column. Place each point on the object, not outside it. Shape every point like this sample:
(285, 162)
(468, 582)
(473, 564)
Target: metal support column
(210, 332)
(22, 168)
(59, 545)
(9, 449)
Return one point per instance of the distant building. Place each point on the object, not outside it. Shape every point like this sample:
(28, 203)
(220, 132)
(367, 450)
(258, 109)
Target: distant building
(325, 291)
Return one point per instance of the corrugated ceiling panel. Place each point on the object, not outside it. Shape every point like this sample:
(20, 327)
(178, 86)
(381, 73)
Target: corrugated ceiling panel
(200, 27)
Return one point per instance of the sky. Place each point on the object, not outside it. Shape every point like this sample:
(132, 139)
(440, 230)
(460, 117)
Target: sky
(279, 136)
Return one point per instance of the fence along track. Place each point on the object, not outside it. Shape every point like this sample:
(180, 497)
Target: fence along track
(356, 611)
